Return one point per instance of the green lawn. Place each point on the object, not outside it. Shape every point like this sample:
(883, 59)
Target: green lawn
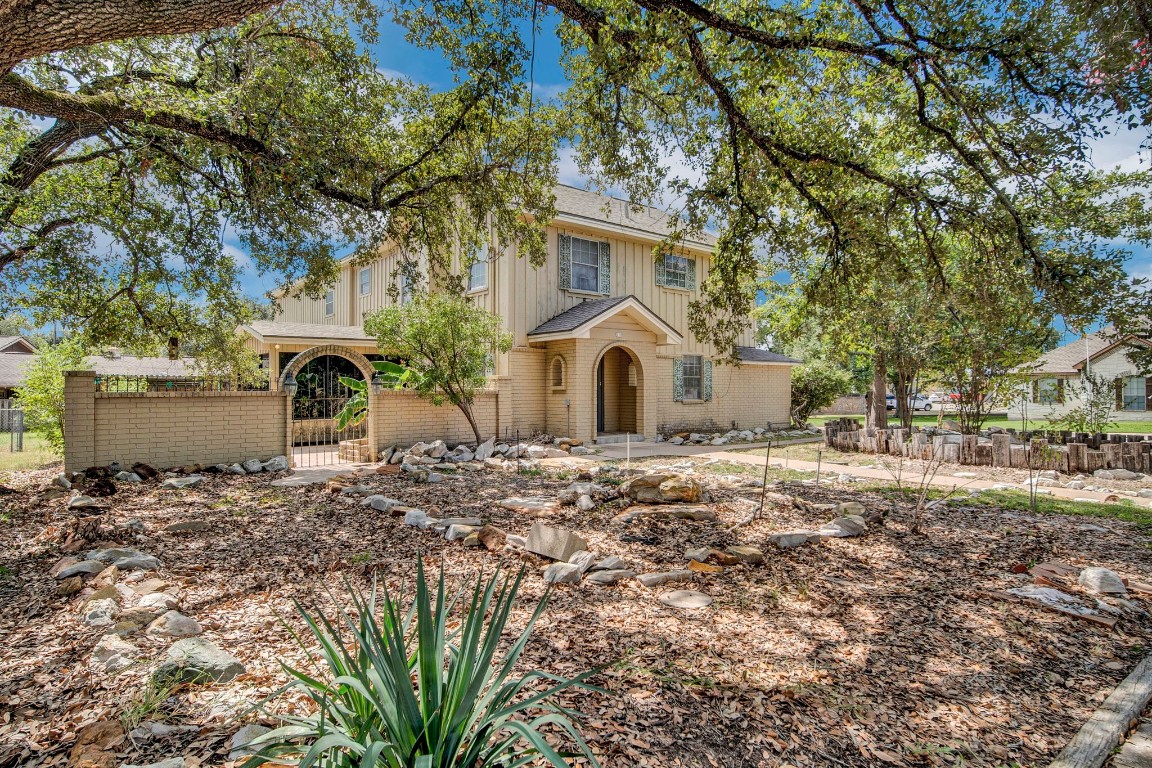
(36, 454)
(931, 419)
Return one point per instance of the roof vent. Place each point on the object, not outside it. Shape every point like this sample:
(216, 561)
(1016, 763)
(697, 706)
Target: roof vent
(113, 353)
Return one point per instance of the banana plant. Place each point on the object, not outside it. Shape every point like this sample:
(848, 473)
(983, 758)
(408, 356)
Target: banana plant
(393, 375)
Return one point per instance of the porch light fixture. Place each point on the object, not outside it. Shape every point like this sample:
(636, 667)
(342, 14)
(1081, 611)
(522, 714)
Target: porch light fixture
(378, 383)
(290, 385)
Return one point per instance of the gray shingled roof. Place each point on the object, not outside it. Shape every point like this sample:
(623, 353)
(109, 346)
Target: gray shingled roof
(1065, 359)
(12, 367)
(598, 208)
(577, 316)
(310, 330)
(8, 341)
(756, 355)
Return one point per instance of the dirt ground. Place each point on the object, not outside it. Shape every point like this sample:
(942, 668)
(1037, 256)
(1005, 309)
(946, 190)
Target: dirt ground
(850, 652)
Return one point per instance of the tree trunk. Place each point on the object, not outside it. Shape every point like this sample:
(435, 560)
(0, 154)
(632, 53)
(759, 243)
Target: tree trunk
(466, 409)
(877, 416)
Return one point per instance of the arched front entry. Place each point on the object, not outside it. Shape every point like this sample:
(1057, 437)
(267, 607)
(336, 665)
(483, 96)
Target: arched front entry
(318, 396)
(618, 392)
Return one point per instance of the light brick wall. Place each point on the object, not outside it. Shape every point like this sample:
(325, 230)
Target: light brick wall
(168, 429)
(402, 418)
(749, 396)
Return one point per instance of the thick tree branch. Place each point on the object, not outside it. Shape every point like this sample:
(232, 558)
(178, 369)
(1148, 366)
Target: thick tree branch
(31, 28)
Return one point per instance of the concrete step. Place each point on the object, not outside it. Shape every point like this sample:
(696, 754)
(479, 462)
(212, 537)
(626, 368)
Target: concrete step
(618, 438)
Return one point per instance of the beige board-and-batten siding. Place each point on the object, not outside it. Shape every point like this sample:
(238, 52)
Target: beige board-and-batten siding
(168, 429)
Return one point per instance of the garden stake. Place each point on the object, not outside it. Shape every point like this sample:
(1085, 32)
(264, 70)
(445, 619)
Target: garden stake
(819, 454)
(764, 485)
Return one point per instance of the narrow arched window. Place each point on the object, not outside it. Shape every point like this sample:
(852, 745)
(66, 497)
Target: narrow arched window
(557, 373)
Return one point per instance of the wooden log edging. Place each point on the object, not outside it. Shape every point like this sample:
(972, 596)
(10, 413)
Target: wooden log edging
(1109, 725)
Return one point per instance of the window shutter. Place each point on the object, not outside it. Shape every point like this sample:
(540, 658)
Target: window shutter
(605, 269)
(691, 285)
(678, 379)
(1060, 391)
(565, 248)
(1035, 390)
(1119, 394)
(660, 279)
(706, 384)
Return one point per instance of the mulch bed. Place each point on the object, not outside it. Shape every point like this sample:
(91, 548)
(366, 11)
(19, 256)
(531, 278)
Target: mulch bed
(851, 652)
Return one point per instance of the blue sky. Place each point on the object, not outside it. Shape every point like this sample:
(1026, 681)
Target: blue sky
(395, 55)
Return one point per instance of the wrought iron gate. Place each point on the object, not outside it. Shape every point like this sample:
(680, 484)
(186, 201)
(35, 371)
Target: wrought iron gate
(320, 397)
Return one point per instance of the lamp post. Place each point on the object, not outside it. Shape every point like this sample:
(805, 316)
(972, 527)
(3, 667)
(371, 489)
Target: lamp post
(290, 385)
(378, 384)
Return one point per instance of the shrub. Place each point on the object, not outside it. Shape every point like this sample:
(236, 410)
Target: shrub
(418, 689)
(42, 396)
(816, 385)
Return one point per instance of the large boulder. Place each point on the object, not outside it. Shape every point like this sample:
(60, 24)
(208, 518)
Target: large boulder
(531, 505)
(554, 543)
(276, 464)
(1102, 581)
(484, 450)
(195, 660)
(662, 489)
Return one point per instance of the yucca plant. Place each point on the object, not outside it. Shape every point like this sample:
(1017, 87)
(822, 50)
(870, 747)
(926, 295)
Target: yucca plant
(425, 687)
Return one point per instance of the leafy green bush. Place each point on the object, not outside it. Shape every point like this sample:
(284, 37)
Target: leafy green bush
(816, 385)
(42, 396)
(418, 689)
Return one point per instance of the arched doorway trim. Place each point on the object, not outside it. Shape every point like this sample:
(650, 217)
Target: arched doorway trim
(631, 377)
(307, 356)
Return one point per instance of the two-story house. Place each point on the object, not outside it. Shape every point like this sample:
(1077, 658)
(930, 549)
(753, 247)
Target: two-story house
(600, 331)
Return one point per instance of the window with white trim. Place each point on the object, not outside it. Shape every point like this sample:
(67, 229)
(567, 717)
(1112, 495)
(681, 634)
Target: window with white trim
(585, 265)
(1134, 394)
(478, 275)
(365, 281)
(693, 376)
(675, 271)
(330, 303)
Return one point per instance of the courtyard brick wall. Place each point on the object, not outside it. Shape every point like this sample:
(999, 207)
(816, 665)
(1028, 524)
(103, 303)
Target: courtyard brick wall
(168, 429)
(402, 418)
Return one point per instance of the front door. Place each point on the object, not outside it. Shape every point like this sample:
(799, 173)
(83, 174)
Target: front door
(600, 396)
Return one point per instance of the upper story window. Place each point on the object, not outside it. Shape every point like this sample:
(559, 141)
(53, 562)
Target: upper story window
(478, 275)
(585, 265)
(365, 281)
(674, 271)
(405, 289)
(330, 303)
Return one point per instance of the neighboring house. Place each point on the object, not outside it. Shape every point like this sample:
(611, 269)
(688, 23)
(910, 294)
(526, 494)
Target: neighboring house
(1057, 377)
(600, 331)
(111, 368)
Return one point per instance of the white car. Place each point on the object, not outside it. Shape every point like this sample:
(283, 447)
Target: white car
(918, 403)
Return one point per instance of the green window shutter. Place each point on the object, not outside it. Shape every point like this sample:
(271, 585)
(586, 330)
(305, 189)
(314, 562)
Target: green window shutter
(565, 248)
(678, 379)
(692, 276)
(660, 280)
(706, 384)
(1119, 394)
(605, 269)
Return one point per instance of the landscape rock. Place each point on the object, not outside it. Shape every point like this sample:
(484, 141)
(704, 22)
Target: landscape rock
(702, 567)
(194, 659)
(239, 746)
(666, 577)
(585, 503)
(532, 505)
(484, 450)
(112, 654)
(555, 543)
(515, 542)
(138, 563)
(792, 539)
(494, 539)
(610, 563)
(563, 573)
(457, 531)
(252, 466)
(380, 503)
(843, 527)
(129, 477)
(101, 612)
(611, 576)
(659, 488)
(160, 601)
(415, 517)
(171, 762)
(84, 568)
(677, 511)
(747, 554)
(70, 586)
(96, 745)
(580, 450)
(152, 730)
(276, 464)
(188, 526)
(174, 624)
(582, 560)
(436, 449)
(81, 502)
(235, 469)
(686, 598)
(1117, 474)
(699, 553)
(62, 482)
(1102, 581)
(175, 483)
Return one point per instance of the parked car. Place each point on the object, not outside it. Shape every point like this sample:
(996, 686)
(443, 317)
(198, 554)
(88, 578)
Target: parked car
(917, 401)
